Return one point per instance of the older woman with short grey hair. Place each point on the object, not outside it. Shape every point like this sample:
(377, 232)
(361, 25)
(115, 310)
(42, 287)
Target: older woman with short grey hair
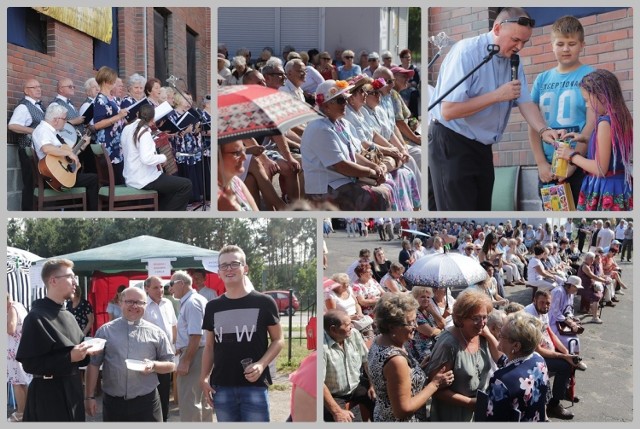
(518, 390)
(400, 384)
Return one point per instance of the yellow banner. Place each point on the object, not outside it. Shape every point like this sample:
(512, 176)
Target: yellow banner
(94, 21)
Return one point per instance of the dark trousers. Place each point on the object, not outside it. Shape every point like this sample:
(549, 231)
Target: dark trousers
(356, 399)
(118, 173)
(461, 170)
(164, 390)
(581, 238)
(145, 408)
(26, 170)
(90, 182)
(627, 248)
(173, 192)
(562, 370)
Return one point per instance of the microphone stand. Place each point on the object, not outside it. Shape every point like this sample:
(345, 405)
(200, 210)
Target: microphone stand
(203, 203)
(493, 49)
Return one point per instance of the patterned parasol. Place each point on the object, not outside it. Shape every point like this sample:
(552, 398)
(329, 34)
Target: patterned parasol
(246, 111)
(451, 270)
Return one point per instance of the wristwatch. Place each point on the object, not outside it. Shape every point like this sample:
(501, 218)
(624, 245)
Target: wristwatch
(571, 155)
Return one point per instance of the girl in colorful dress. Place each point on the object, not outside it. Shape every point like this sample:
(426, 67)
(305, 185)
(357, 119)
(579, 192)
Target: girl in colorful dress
(609, 181)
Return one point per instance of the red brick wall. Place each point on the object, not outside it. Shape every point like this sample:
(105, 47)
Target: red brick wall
(609, 45)
(70, 54)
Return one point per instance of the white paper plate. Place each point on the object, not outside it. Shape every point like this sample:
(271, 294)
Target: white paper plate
(135, 365)
(96, 344)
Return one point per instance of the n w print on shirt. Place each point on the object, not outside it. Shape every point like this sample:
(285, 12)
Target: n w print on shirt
(236, 326)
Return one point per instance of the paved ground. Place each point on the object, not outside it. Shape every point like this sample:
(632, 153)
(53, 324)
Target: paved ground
(278, 401)
(605, 389)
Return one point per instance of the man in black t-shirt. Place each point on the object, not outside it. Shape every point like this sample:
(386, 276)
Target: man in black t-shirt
(238, 326)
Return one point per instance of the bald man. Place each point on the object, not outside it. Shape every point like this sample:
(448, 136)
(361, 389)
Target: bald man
(66, 90)
(25, 118)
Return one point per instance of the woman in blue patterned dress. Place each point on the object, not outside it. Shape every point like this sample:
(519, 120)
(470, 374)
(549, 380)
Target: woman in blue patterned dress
(427, 328)
(400, 384)
(518, 390)
(109, 120)
(608, 184)
(189, 144)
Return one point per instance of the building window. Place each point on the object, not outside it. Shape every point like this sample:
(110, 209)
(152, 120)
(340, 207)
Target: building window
(161, 43)
(191, 63)
(27, 28)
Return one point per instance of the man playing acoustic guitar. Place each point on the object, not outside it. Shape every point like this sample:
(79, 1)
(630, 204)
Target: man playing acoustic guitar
(47, 141)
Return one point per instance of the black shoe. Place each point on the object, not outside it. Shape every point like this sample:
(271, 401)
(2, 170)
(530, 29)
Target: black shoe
(609, 304)
(615, 299)
(559, 412)
(576, 398)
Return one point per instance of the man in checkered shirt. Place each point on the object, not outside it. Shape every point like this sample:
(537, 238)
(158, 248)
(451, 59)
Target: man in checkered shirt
(345, 352)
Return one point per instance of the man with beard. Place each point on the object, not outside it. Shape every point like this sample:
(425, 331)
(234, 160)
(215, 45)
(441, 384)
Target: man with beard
(555, 354)
(51, 349)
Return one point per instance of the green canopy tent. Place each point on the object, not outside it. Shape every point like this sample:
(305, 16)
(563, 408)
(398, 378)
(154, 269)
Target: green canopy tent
(117, 263)
(128, 255)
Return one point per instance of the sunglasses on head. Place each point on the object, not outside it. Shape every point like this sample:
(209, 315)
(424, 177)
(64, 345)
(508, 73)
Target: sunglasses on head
(522, 20)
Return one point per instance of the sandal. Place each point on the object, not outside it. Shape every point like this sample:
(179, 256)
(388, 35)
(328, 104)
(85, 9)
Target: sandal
(15, 417)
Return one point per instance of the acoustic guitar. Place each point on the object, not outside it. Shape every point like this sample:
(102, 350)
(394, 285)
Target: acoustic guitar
(59, 172)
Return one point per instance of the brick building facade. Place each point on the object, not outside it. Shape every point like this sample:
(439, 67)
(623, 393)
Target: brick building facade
(608, 45)
(70, 53)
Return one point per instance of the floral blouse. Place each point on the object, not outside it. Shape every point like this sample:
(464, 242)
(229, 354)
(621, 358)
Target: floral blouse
(188, 143)
(81, 312)
(518, 391)
(104, 108)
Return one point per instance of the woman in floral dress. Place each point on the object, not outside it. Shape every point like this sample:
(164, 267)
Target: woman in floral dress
(518, 390)
(16, 376)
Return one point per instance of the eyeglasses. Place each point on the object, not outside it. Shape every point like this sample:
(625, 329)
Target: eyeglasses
(236, 153)
(413, 324)
(478, 319)
(33, 87)
(173, 282)
(69, 86)
(276, 74)
(391, 81)
(523, 20)
(133, 302)
(68, 276)
(64, 119)
(232, 265)
(372, 59)
(325, 58)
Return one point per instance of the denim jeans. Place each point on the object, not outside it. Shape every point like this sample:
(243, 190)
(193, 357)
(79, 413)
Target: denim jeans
(241, 404)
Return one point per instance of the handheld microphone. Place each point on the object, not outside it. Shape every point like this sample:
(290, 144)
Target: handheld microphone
(515, 62)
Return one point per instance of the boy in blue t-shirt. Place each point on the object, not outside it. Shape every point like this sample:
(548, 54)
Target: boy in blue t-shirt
(557, 94)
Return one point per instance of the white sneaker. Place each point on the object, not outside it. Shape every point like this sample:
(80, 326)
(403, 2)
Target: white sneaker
(582, 366)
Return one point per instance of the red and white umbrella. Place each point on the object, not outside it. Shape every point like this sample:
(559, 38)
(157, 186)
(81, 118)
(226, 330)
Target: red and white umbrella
(451, 270)
(246, 111)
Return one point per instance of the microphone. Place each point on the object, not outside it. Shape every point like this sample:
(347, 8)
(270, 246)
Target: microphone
(515, 62)
(187, 155)
(172, 80)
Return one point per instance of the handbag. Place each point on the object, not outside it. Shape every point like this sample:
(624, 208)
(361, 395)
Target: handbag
(362, 323)
(564, 329)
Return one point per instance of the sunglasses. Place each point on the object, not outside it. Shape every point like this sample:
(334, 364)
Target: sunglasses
(325, 58)
(523, 20)
(339, 100)
(372, 60)
(348, 58)
(173, 282)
